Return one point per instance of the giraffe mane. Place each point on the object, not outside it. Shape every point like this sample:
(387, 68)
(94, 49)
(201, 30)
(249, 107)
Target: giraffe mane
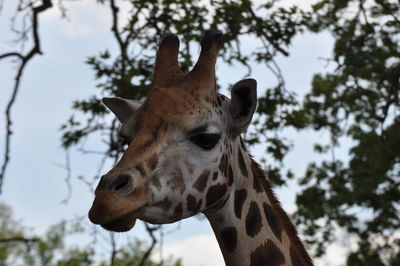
(297, 252)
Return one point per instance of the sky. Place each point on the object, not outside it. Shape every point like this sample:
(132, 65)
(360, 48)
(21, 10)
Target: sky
(35, 183)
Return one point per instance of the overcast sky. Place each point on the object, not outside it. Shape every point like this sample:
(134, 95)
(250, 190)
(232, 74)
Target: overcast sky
(34, 186)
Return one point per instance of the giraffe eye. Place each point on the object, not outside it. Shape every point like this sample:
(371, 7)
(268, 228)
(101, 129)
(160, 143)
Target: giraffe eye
(206, 140)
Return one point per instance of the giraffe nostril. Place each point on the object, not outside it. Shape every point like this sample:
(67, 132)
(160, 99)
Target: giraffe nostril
(120, 182)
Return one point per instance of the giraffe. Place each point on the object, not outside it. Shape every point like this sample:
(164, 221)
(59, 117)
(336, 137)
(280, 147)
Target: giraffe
(185, 156)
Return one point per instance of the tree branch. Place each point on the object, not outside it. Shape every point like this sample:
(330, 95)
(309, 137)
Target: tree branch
(26, 241)
(24, 60)
(150, 230)
(117, 33)
(20, 56)
(262, 33)
(67, 167)
(113, 249)
(18, 239)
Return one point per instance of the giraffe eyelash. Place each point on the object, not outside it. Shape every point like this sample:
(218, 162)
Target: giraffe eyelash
(125, 140)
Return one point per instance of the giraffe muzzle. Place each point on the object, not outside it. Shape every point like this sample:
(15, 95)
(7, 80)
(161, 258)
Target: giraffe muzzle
(118, 202)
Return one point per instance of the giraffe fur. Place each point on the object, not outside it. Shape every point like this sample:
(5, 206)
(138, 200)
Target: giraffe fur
(185, 156)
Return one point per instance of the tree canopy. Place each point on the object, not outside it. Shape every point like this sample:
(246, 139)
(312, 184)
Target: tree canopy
(357, 104)
(358, 101)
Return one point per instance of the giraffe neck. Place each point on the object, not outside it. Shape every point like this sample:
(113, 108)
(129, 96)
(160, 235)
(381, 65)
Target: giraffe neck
(250, 226)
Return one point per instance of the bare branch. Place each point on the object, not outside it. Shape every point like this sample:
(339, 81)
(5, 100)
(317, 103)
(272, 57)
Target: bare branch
(20, 56)
(273, 66)
(24, 59)
(150, 230)
(264, 34)
(18, 239)
(67, 167)
(115, 30)
(114, 250)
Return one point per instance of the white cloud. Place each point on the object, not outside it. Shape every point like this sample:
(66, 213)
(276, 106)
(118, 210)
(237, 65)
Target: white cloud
(196, 250)
(336, 255)
(304, 5)
(203, 250)
(84, 18)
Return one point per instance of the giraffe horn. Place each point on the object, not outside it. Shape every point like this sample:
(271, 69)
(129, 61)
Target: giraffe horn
(166, 66)
(205, 66)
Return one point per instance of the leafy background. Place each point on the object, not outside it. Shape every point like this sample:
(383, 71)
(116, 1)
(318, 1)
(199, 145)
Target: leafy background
(349, 192)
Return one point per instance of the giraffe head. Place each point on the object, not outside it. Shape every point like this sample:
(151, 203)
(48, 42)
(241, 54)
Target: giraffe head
(174, 166)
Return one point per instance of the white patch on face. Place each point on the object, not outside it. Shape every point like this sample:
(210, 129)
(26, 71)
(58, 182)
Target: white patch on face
(178, 152)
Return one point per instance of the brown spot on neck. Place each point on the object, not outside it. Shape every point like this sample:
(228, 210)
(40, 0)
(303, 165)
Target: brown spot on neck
(258, 176)
(223, 163)
(243, 145)
(282, 217)
(230, 174)
(295, 258)
(242, 163)
(222, 203)
(215, 194)
(192, 204)
(273, 221)
(267, 254)
(240, 197)
(178, 210)
(253, 220)
(215, 175)
(228, 237)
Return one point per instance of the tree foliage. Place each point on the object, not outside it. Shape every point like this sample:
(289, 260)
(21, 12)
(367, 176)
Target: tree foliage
(19, 247)
(357, 104)
(128, 73)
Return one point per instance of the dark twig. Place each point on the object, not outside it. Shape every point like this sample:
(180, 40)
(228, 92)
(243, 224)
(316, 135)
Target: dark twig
(24, 60)
(262, 32)
(89, 184)
(23, 240)
(67, 167)
(117, 34)
(273, 66)
(150, 230)
(114, 250)
(11, 54)
(18, 239)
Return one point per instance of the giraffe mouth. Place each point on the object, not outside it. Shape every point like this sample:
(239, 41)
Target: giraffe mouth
(123, 223)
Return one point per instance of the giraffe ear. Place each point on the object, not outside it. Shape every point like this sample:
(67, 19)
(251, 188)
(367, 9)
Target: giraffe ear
(243, 104)
(122, 108)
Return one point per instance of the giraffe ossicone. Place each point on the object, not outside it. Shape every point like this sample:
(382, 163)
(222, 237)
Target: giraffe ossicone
(185, 156)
